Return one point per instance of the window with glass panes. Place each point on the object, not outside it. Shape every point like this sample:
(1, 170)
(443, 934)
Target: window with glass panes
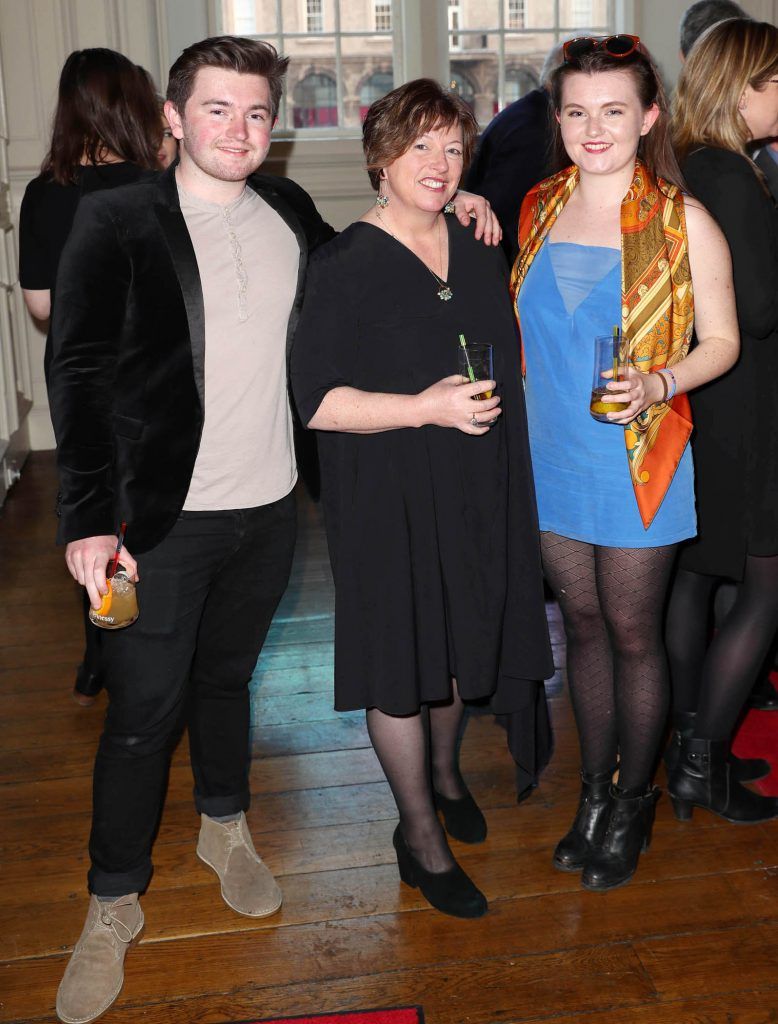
(314, 16)
(516, 13)
(341, 52)
(383, 15)
(497, 47)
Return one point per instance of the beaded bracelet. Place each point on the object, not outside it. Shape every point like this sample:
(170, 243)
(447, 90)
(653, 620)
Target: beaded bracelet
(673, 383)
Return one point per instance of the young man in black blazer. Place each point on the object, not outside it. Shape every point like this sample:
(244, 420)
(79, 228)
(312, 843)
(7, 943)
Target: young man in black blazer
(177, 302)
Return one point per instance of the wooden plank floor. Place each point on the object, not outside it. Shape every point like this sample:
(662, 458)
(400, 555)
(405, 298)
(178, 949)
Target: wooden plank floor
(694, 938)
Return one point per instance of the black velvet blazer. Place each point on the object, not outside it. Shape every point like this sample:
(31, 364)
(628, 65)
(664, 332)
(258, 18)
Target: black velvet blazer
(126, 387)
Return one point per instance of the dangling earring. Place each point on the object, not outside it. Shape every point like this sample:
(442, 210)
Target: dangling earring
(381, 200)
(449, 207)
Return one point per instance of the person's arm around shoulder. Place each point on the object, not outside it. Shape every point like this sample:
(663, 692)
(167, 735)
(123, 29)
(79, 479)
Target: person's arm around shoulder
(92, 284)
(715, 319)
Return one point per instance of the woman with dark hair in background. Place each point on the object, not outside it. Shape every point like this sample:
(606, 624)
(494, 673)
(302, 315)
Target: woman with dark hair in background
(610, 245)
(727, 97)
(427, 494)
(106, 133)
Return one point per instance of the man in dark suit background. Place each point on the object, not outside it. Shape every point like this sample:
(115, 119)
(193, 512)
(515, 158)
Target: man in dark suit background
(700, 16)
(177, 299)
(513, 154)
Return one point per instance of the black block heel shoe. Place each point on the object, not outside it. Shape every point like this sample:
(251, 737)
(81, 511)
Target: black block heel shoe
(450, 892)
(463, 818)
(703, 778)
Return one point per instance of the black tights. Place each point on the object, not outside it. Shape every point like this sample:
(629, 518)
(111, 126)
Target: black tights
(612, 602)
(419, 752)
(714, 678)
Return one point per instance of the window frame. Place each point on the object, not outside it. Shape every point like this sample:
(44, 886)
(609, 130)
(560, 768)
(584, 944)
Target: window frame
(558, 31)
(419, 49)
(337, 35)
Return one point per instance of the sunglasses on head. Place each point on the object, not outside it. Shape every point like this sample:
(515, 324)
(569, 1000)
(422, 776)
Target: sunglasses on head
(614, 46)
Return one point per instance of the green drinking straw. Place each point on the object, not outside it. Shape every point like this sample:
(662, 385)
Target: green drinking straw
(616, 347)
(470, 371)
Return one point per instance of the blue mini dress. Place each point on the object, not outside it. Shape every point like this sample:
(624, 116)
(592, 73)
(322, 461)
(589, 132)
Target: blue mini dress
(571, 295)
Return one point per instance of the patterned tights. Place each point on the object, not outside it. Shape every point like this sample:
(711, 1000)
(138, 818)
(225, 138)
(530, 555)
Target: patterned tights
(612, 602)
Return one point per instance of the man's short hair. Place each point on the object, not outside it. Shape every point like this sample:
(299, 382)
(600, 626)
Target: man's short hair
(233, 53)
(701, 15)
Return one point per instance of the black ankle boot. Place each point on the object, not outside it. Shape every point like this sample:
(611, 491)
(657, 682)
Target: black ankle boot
(588, 825)
(703, 778)
(463, 818)
(741, 769)
(628, 834)
(450, 892)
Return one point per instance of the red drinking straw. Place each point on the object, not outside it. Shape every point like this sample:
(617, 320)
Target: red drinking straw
(115, 560)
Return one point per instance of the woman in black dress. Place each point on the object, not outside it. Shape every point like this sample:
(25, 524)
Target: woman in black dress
(428, 496)
(727, 97)
(106, 133)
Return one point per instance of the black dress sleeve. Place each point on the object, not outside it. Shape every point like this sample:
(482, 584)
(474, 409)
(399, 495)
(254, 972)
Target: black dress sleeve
(34, 273)
(325, 342)
(728, 187)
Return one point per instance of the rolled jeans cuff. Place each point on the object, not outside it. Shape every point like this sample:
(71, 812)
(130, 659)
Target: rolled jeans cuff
(114, 884)
(222, 806)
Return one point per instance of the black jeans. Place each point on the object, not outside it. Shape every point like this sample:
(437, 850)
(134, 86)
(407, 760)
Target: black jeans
(207, 595)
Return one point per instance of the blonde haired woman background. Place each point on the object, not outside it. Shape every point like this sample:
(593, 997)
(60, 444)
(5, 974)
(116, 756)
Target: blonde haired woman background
(727, 97)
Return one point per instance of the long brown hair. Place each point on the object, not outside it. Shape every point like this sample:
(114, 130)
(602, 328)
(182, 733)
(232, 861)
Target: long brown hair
(728, 57)
(654, 149)
(105, 107)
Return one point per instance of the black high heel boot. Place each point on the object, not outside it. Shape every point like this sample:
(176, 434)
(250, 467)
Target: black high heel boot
(588, 825)
(741, 769)
(703, 778)
(450, 892)
(463, 818)
(628, 834)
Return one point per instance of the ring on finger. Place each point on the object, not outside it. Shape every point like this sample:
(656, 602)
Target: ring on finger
(474, 422)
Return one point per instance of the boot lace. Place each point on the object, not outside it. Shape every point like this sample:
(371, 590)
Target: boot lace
(109, 918)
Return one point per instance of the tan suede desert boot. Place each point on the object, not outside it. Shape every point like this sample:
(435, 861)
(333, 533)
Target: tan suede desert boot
(95, 973)
(247, 885)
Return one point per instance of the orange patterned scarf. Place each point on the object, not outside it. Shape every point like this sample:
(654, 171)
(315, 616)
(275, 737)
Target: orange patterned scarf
(657, 310)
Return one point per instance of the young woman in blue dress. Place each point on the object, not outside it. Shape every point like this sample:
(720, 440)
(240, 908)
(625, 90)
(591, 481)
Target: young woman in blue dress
(612, 242)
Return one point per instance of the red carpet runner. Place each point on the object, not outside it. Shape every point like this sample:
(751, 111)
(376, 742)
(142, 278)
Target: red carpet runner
(401, 1015)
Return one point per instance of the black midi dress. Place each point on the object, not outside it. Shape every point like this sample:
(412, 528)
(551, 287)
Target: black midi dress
(432, 532)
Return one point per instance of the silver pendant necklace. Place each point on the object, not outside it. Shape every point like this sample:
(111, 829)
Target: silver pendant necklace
(445, 294)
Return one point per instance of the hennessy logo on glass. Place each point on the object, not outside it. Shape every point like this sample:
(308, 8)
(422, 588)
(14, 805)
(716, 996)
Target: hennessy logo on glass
(120, 604)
